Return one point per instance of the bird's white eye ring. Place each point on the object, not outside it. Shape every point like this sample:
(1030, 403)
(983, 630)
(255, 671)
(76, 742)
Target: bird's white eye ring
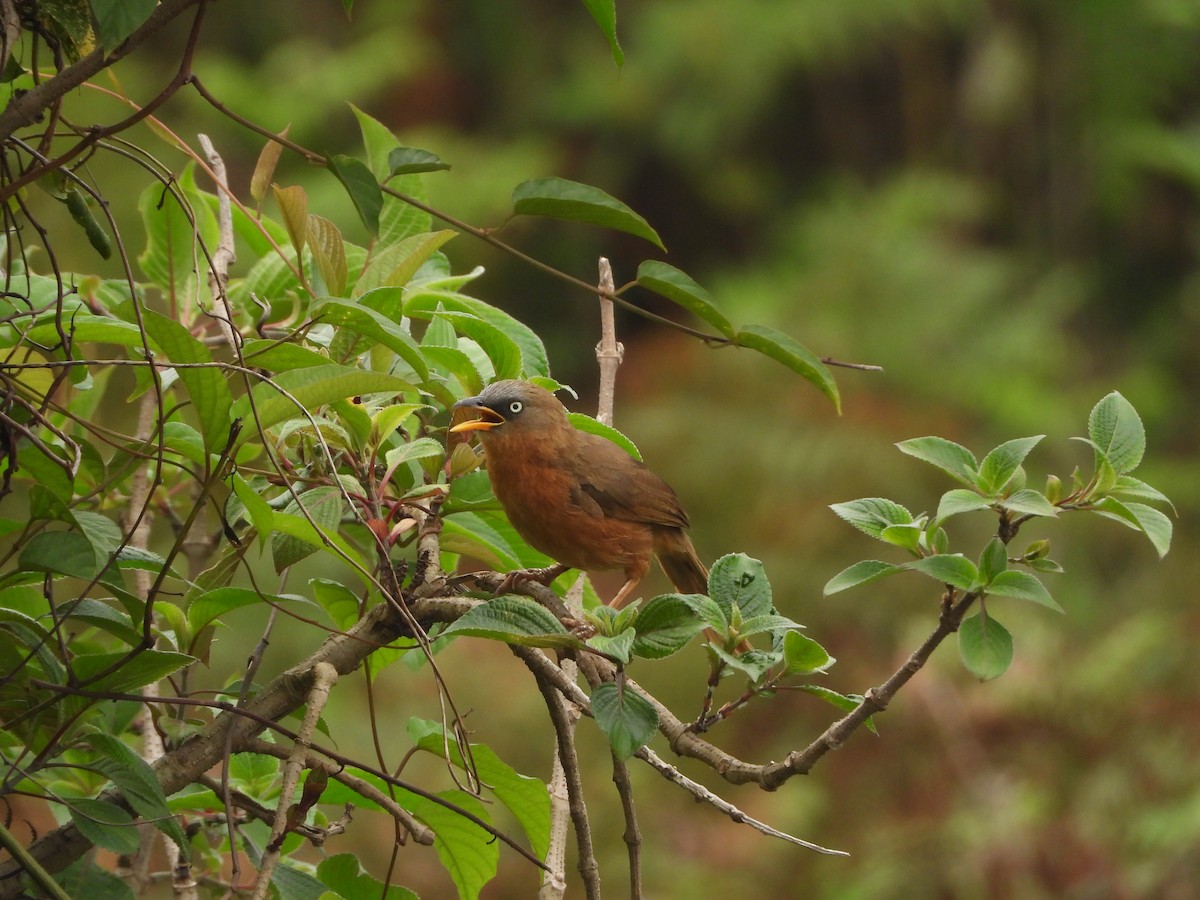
(515, 407)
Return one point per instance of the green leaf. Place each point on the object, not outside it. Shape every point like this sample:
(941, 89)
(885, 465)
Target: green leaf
(955, 460)
(787, 350)
(395, 266)
(83, 878)
(871, 515)
(605, 14)
(324, 505)
(514, 620)
(1002, 463)
(737, 579)
(1138, 516)
(329, 252)
(170, 260)
(860, 573)
(993, 560)
(468, 853)
(362, 187)
(118, 19)
(985, 646)
(804, 656)
(584, 422)
(64, 552)
(1116, 431)
(844, 702)
(344, 875)
(562, 199)
(1129, 487)
(625, 716)
(424, 304)
(365, 321)
(709, 611)
(135, 672)
(206, 386)
(679, 287)
(959, 500)
(209, 606)
(527, 798)
(106, 825)
(952, 569)
(138, 784)
(752, 625)
(262, 517)
(421, 448)
(1023, 586)
(664, 626)
(618, 646)
(412, 161)
(289, 394)
(1029, 502)
(907, 536)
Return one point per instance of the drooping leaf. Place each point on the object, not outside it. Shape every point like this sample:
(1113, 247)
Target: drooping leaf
(605, 14)
(329, 253)
(138, 784)
(344, 875)
(397, 219)
(985, 646)
(526, 797)
(584, 422)
(118, 19)
(264, 168)
(412, 161)
(293, 206)
(993, 560)
(625, 716)
(372, 325)
(1140, 517)
(679, 287)
(324, 506)
(562, 199)
(134, 673)
(787, 350)
(105, 825)
(207, 387)
(425, 304)
(362, 187)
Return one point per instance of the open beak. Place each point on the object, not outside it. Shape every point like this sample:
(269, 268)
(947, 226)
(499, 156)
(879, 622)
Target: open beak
(488, 417)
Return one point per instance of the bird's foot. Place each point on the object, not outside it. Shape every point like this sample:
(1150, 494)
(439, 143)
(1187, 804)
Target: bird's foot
(518, 577)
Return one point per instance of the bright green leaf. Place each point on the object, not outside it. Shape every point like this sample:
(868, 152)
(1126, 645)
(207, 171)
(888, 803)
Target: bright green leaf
(985, 646)
(804, 656)
(562, 199)
(953, 459)
(514, 620)
(1116, 431)
(860, 573)
(787, 350)
(605, 14)
(1023, 586)
(737, 579)
(1002, 463)
(951, 569)
(959, 500)
(679, 287)
(584, 422)
(871, 515)
(625, 716)
(1029, 502)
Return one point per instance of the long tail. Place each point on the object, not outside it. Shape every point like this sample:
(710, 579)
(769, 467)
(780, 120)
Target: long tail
(678, 558)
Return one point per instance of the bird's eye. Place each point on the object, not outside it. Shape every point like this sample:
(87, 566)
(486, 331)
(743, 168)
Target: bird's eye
(515, 407)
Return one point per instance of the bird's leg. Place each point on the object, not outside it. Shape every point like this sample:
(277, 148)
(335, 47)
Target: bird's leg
(622, 596)
(519, 576)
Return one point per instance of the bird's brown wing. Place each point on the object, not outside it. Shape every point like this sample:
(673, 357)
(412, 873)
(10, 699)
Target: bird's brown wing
(611, 483)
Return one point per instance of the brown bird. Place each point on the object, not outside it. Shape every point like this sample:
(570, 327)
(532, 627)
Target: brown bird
(577, 497)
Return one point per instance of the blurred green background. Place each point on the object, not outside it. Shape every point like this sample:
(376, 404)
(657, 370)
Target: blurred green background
(997, 202)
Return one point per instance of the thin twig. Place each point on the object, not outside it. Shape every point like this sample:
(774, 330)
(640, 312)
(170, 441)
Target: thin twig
(225, 255)
(323, 678)
(609, 352)
(589, 869)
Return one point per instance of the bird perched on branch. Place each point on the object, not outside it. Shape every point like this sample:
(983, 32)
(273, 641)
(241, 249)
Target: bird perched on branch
(577, 497)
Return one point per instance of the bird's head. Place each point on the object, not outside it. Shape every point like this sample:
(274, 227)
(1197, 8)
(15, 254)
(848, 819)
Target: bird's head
(508, 407)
